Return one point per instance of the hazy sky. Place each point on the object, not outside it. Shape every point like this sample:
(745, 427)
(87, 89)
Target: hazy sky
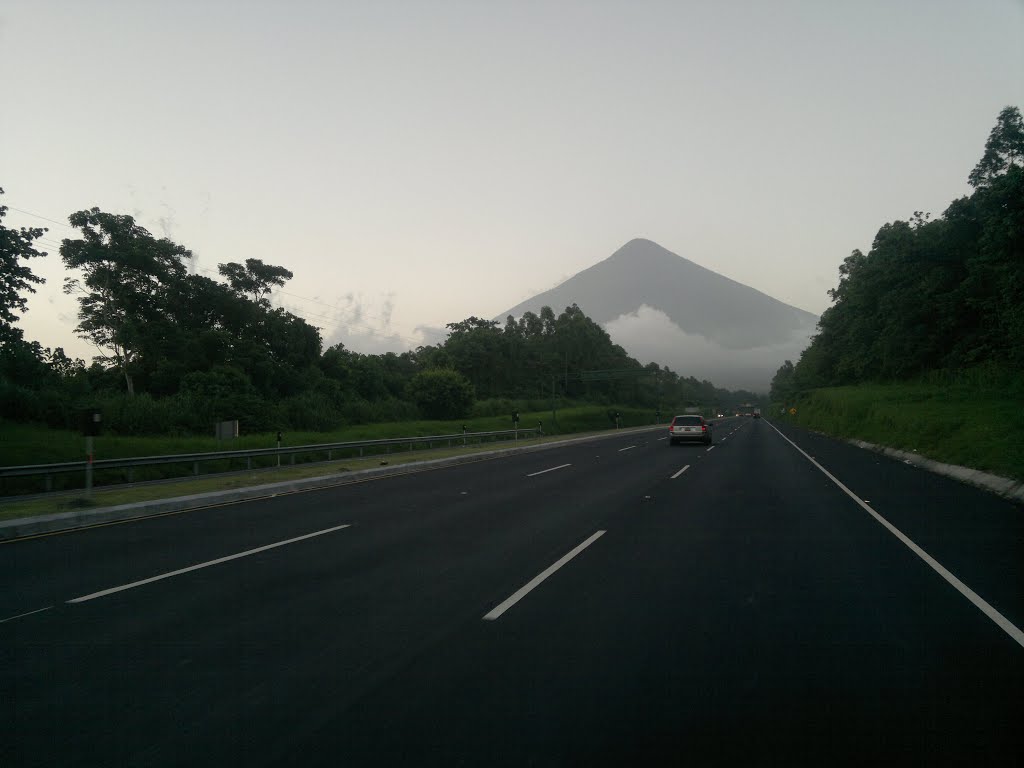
(415, 163)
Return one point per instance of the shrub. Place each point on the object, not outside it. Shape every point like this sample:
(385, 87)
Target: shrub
(311, 411)
(138, 415)
(441, 393)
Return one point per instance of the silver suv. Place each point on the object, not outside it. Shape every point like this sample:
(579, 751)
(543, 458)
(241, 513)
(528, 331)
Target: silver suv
(689, 427)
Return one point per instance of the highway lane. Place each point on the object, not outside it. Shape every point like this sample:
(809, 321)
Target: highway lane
(746, 596)
(43, 571)
(421, 523)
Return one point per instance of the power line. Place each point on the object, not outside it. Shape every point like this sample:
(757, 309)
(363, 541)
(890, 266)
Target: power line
(44, 218)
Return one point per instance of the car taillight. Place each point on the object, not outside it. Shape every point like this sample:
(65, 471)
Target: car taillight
(703, 427)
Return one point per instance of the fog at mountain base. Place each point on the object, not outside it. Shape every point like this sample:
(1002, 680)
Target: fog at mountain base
(650, 336)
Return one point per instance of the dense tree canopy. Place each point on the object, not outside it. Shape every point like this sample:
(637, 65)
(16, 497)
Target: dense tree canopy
(931, 294)
(254, 277)
(126, 273)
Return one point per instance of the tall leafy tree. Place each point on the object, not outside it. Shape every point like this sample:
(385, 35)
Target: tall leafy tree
(1003, 150)
(122, 292)
(254, 278)
(475, 347)
(782, 382)
(16, 278)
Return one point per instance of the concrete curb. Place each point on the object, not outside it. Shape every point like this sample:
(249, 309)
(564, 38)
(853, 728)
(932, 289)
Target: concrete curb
(68, 521)
(1005, 487)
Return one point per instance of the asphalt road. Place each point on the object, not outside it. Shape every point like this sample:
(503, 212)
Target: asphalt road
(593, 604)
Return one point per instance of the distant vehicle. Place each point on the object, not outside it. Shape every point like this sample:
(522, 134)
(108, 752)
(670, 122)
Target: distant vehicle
(757, 413)
(689, 428)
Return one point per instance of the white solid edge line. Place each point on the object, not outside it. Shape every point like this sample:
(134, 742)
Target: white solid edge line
(627, 448)
(677, 474)
(710, 449)
(523, 591)
(1001, 621)
(207, 564)
(560, 466)
(23, 615)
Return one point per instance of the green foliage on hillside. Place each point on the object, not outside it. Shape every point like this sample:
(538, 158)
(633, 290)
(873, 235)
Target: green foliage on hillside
(178, 352)
(931, 294)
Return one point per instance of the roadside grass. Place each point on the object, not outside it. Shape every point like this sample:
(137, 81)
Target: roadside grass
(30, 444)
(576, 421)
(956, 421)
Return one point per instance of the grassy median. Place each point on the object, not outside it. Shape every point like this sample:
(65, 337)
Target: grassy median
(336, 470)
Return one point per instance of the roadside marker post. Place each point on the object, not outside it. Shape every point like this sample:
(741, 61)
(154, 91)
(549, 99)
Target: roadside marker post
(90, 427)
(88, 466)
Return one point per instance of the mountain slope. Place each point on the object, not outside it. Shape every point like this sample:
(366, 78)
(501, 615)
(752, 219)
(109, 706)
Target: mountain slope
(662, 307)
(697, 300)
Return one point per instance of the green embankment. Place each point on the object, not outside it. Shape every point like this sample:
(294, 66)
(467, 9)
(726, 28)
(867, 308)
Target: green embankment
(971, 423)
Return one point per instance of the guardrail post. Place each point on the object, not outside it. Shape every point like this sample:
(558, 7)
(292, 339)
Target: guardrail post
(195, 468)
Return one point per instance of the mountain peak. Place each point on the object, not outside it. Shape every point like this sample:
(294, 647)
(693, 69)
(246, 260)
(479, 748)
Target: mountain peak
(723, 314)
(640, 246)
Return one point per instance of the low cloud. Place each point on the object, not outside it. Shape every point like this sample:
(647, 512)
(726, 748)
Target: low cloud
(650, 336)
(366, 328)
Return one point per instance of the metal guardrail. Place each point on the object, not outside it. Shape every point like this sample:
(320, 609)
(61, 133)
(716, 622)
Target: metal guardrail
(49, 470)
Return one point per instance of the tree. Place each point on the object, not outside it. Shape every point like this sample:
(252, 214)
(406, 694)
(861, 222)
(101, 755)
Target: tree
(1004, 148)
(441, 393)
(254, 277)
(475, 348)
(782, 383)
(126, 273)
(15, 278)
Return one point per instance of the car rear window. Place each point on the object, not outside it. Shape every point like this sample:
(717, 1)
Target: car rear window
(688, 420)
